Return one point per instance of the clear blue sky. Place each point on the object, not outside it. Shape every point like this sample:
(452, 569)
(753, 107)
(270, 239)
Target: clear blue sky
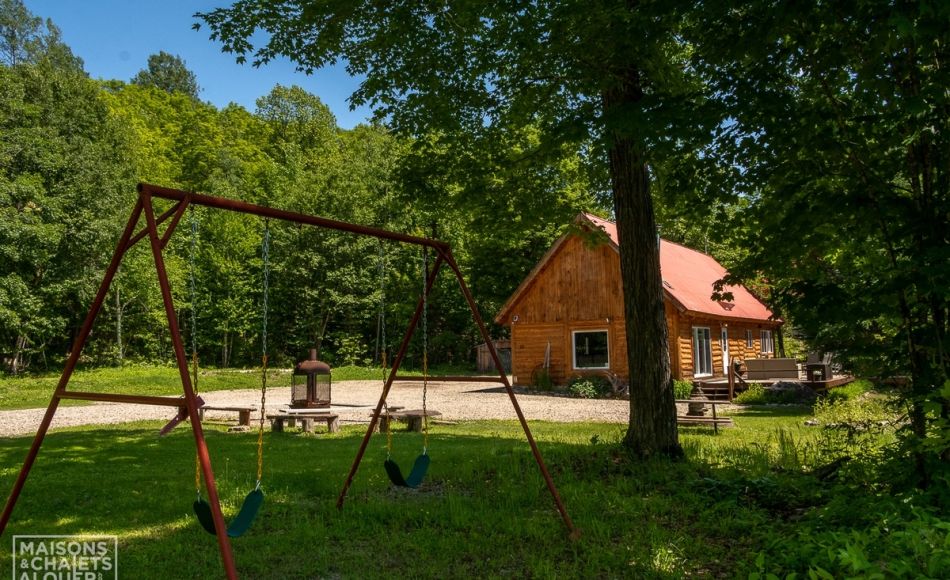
(115, 38)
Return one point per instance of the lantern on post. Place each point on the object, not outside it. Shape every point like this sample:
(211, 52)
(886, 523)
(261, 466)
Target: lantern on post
(310, 383)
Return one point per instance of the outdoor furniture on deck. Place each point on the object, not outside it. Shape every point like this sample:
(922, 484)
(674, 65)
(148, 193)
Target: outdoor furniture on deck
(770, 368)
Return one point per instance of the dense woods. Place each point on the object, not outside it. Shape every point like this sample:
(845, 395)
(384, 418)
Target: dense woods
(73, 150)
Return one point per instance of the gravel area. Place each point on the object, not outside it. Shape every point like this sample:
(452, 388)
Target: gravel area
(353, 401)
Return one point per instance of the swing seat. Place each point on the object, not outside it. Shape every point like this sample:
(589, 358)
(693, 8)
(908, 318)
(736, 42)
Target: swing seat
(241, 524)
(418, 473)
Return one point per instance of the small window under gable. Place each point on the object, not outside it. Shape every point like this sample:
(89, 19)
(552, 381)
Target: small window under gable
(749, 341)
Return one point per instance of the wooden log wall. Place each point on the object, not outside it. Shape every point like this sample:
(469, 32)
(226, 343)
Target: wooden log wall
(580, 289)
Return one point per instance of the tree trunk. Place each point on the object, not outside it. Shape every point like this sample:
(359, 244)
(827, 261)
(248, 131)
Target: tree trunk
(15, 364)
(652, 427)
(118, 323)
(225, 351)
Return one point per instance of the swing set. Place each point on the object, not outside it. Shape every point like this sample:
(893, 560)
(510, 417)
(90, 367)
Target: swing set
(209, 511)
(255, 499)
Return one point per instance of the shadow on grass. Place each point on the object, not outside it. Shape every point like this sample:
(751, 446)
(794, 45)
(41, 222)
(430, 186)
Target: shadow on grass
(773, 411)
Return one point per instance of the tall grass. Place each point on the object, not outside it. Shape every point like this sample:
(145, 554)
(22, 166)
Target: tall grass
(751, 501)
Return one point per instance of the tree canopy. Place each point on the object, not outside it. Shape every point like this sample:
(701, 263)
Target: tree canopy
(168, 72)
(609, 78)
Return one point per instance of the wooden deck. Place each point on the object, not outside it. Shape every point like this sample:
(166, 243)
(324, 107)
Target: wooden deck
(717, 388)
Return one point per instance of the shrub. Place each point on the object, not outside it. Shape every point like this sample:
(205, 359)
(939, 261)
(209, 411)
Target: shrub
(850, 391)
(754, 395)
(758, 394)
(682, 389)
(858, 427)
(541, 379)
(588, 387)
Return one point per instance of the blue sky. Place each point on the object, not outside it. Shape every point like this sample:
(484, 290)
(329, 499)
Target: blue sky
(115, 38)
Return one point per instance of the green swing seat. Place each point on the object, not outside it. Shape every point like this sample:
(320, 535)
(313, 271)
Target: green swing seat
(418, 473)
(241, 524)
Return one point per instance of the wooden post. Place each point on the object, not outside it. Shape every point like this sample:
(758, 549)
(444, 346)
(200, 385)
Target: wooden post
(732, 380)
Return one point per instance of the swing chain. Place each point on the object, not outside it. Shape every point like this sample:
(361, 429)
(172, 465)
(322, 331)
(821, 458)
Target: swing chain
(382, 344)
(192, 252)
(260, 428)
(425, 348)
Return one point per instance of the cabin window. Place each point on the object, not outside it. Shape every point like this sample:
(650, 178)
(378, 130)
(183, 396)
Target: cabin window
(591, 350)
(749, 341)
(702, 352)
(766, 337)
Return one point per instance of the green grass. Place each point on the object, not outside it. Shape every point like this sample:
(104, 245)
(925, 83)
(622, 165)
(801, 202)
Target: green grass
(31, 391)
(483, 512)
(744, 502)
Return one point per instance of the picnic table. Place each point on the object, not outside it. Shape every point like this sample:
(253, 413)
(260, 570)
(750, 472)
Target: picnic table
(306, 418)
(243, 411)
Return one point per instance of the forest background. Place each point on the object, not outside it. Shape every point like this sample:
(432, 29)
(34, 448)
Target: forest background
(804, 148)
(74, 148)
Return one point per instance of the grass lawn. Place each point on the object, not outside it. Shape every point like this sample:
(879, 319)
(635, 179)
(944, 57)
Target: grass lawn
(483, 511)
(31, 391)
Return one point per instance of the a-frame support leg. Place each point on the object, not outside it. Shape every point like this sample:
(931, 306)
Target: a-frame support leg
(445, 256)
(450, 260)
(191, 403)
(400, 355)
(78, 345)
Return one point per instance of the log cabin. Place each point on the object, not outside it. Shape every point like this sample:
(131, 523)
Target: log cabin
(567, 314)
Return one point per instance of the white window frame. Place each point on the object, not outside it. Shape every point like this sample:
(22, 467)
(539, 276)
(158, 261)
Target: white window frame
(749, 340)
(697, 358)
(766, 337)
(574, 349)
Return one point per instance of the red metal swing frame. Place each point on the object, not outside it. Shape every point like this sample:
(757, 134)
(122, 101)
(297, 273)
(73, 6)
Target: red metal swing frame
(144, 205)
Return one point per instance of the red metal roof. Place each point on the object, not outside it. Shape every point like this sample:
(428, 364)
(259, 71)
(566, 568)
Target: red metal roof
(688, 278)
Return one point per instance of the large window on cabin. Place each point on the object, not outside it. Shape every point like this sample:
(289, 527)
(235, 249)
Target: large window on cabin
(702, 352)
(591, 349)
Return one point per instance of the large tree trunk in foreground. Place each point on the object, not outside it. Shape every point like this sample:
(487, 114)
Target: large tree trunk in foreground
(652, 428)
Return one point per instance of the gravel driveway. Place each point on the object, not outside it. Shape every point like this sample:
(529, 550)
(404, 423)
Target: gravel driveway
(353, 401)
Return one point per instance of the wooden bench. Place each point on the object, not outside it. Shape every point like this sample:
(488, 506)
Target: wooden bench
(413, 418)
(306, 421)
(715, 420)
(771, 368)
(244, 412)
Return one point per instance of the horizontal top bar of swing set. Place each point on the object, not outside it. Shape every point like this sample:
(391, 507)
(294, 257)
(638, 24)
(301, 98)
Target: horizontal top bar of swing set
(289, 216)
